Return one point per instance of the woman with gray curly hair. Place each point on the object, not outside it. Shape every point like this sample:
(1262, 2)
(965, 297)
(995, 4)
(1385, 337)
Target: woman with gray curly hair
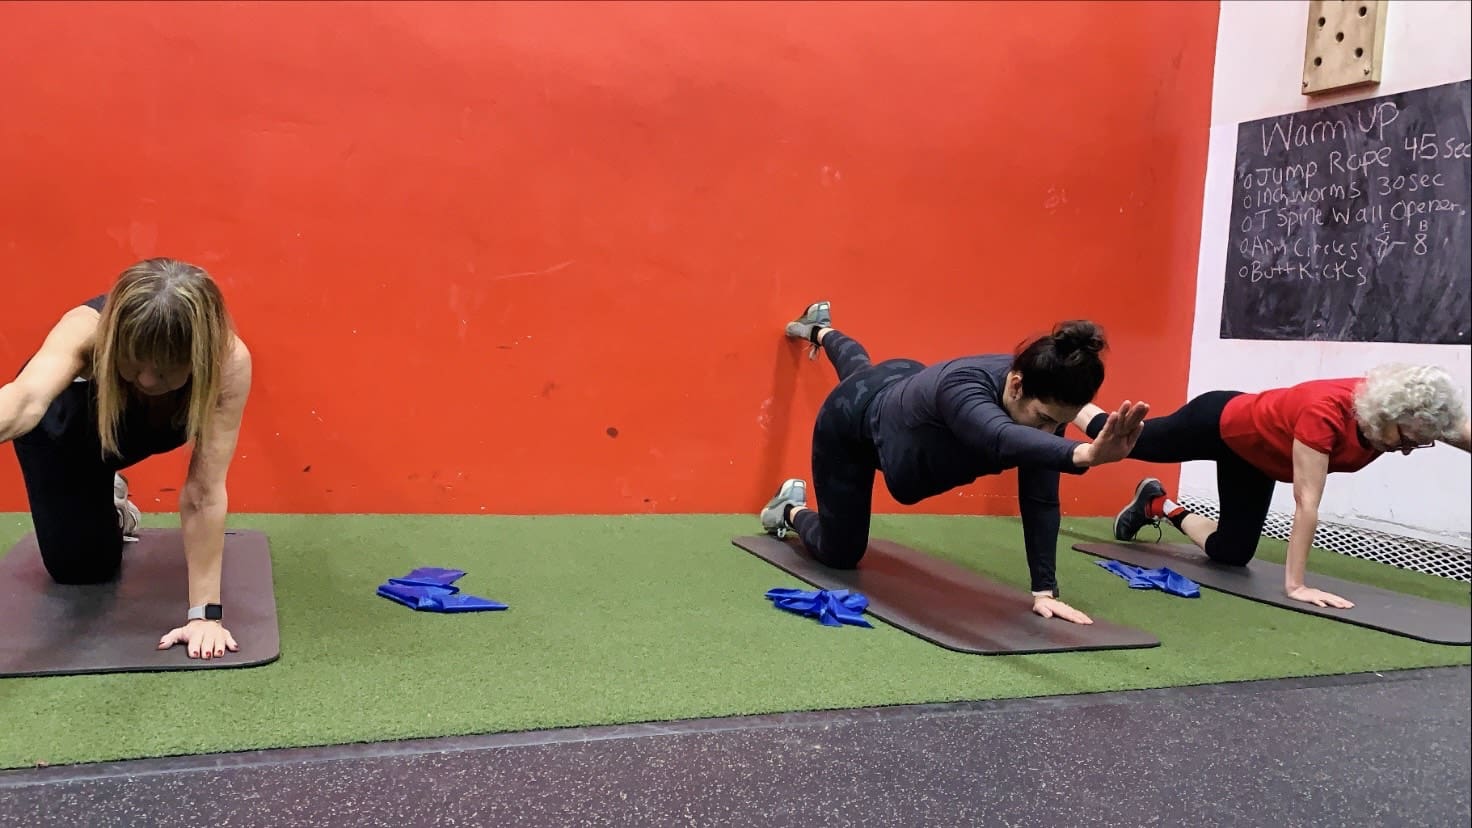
(1298, 434)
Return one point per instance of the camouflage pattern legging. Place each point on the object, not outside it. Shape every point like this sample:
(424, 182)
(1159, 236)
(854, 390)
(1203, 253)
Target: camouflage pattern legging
(844, 459)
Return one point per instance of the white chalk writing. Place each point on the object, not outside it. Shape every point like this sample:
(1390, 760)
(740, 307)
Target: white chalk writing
(1337, 196)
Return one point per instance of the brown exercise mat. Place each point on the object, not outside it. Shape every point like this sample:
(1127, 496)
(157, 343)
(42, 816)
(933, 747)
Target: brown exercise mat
(1379, 609)
(48, 629)
(946, 604)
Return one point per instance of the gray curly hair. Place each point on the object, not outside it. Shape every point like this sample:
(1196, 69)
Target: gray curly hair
(1423, 395)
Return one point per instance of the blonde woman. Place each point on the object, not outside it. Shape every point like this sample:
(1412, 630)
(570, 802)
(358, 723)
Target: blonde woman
(142, 370)
(1298, 435)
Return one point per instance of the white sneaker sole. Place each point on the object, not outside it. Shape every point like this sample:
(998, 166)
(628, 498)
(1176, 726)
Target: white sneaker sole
(129, 519)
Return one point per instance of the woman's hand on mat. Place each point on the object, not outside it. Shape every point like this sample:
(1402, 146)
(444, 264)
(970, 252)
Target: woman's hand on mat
(1120, 433)
(1053, 608)
(206, 639)
(1318, 597)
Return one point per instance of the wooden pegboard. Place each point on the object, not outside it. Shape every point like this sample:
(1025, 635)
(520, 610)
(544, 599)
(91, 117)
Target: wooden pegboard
(1345, 44)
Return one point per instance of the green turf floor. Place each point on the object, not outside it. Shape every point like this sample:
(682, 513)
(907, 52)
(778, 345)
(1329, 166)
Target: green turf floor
(634, 619)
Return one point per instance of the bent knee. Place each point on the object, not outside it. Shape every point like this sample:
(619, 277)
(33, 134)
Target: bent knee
(80, 567)
(74, 575)
(1230, 552)
(842, 556)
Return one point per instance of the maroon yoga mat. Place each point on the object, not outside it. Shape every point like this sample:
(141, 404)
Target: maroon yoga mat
(48, 629)
(1262, 581)
(946, 604)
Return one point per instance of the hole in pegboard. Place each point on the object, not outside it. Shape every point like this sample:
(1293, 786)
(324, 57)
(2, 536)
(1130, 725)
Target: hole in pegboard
(1358, 52)
(1339, 37)
(1322, 21)
(1363, 11)
(1318, 61)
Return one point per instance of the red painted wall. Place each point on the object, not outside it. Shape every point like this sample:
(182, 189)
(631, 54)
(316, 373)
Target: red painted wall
(468, 242)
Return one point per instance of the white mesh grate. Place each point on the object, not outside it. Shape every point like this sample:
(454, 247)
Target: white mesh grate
(1414, 554)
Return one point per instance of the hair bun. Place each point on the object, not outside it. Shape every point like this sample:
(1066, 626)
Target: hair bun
(1078, 335)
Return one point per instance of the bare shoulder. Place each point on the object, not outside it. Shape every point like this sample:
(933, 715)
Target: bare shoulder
(68, 345)
(237, 373)
(77, 327)
(239, 357)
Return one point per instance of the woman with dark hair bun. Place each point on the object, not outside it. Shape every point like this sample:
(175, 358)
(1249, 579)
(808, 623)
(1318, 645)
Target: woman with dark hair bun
(932, 429)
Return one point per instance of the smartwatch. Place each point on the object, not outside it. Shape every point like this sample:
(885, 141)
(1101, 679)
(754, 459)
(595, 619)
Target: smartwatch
(208, 612)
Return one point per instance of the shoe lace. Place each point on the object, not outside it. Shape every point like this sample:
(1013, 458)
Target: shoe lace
(1159, 533)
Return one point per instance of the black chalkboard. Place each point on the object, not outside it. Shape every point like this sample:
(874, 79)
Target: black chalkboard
(1349, 222)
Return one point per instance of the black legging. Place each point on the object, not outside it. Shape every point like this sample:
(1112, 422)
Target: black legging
(844, 459)
(69, 483)
(1193, 432)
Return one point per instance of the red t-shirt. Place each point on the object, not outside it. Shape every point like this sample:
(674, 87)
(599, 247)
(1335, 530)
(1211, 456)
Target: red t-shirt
(1261, 427)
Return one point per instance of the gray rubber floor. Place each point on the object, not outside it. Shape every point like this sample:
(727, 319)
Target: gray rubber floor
(1362, 750)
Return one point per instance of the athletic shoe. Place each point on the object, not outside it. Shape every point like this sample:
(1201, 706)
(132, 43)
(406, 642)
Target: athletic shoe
(128, 515)
(1136, 515)
(793, 493)
(804, 327)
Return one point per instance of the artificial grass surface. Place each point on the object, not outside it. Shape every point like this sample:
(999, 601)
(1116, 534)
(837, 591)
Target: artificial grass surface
(626, 619)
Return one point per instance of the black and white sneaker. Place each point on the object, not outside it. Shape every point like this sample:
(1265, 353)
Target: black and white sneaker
(1136, 515)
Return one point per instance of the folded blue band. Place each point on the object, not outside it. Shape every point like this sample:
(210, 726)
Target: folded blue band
(832, 607)
(1162, 578)
(428, 589)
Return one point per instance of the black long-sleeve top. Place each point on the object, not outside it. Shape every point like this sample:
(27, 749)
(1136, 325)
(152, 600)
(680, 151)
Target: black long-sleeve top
(945, 426)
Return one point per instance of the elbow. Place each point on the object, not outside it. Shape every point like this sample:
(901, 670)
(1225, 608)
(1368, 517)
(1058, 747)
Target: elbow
(198, 499)
(31, 412)
(26, 411)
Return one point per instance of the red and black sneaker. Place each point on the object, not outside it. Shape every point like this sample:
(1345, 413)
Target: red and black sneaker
(1138, 514)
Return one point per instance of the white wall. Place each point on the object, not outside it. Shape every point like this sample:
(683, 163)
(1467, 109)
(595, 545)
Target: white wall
(1259, 67)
